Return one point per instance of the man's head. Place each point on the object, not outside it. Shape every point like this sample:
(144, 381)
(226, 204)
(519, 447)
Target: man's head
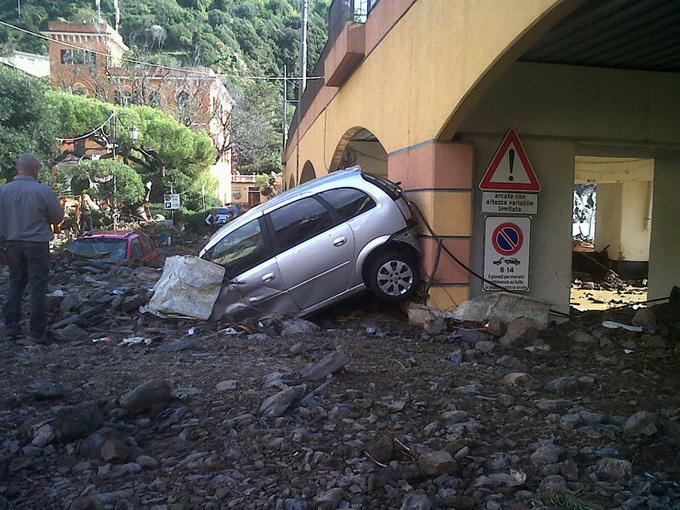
(28, 165)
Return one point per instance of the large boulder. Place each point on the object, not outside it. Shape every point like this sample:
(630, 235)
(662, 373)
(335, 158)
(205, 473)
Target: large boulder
(278, 404)
(152, 394)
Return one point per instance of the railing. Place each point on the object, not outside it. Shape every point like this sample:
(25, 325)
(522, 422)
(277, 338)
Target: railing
(339, 14)
(243, 178)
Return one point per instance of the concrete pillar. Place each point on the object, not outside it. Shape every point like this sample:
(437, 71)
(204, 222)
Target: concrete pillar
(608, 219)
(664, 263)
(438, 178)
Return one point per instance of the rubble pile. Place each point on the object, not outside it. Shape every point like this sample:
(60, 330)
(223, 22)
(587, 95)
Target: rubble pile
(132, 411)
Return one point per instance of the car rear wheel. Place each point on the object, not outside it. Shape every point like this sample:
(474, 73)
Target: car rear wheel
(393, 276)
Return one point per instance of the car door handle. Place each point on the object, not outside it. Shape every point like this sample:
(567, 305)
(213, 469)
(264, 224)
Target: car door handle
(269, 277)
(340, 241)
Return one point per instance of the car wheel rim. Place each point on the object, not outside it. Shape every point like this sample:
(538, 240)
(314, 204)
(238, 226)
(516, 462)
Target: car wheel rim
(395, 278)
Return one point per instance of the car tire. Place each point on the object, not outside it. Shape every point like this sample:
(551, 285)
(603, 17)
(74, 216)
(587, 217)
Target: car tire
(393, 276)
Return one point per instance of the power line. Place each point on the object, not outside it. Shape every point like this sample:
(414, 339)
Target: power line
(158, 66)
(88, 134)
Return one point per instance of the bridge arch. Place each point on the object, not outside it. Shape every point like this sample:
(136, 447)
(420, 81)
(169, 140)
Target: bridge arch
(359, 146)
(308, 172)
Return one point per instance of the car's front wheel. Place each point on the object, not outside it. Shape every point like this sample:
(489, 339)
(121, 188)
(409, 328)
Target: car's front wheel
(393, 276)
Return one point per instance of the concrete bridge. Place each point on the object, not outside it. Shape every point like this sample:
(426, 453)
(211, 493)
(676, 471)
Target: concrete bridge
(423, 91)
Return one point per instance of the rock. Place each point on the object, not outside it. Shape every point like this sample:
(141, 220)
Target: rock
(552, 485)
(46, 390)
(43, 436)
(295, 327)
(382, 449)
(546, 454)
(152, 394)
(516, 378)
(329, 500)
(259, 337)
(278, 404)
(645, 317)
(519, 328)
(147, 463)
(436, 327)
(331, 363)
(641, 423)
(91, 446)
(510, 362)
(115, 451)
(228, 385)
(183, 344)
(436, 463)
(133, 303)
(563, 384)
(416, 501)
(75, 422)
(504, 306)
(69, 303)
(495, 327)
(581, 337)
(86, 503)
(73, 332)
(456, 357)
(455, 416)
(485, 346)
(614, 470)
(421, 316)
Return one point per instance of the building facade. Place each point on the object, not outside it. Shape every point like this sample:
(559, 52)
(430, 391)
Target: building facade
(87, 58)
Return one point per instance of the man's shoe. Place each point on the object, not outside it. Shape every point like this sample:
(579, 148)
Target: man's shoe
(12, 332)
(44, 338)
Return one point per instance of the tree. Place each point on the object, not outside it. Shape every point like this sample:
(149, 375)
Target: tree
(112, 180)
(265, 183)
(27, 124)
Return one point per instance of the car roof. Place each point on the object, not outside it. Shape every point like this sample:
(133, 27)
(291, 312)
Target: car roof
(110, 235)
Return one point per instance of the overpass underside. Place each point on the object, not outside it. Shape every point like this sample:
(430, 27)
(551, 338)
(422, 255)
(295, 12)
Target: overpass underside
(425, 90)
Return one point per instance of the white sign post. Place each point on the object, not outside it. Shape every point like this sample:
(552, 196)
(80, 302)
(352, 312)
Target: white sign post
(509, 202)
(506, 252)
(172, 202)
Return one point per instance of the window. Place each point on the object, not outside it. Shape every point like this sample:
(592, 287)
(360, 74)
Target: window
(299, 221)
(348, 202)
(76, 57)
(155, 99)
(123, 98)
(146, 244)
(240, 250)
(137, 249)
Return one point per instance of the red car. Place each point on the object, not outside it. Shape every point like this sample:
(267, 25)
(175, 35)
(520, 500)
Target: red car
(114, 247)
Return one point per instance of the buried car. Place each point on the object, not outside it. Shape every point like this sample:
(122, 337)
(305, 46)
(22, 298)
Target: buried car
(114, 247)
(312, 246)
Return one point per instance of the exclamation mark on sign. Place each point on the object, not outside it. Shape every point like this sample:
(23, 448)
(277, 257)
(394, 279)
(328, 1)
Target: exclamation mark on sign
(511, 155)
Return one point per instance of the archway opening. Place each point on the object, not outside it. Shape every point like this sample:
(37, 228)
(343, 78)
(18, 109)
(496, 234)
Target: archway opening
(361, 147)
(308, 172)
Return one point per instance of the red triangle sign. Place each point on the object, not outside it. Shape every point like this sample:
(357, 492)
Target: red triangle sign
(510, 168)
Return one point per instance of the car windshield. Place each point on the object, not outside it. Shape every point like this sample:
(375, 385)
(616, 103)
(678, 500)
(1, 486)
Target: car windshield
(105, 250)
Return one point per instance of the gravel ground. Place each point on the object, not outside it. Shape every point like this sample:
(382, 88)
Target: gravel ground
(574, 417)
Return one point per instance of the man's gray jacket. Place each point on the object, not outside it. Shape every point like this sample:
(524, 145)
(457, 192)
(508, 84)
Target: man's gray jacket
(27, 209)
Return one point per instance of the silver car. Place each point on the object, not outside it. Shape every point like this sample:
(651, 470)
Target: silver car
(316, 244)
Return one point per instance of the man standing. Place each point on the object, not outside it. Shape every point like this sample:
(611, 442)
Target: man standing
(27, 208)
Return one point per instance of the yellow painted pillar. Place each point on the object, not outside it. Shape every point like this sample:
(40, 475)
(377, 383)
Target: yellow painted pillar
(438, 179)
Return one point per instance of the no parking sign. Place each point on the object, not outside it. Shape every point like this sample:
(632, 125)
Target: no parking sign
(506, 252)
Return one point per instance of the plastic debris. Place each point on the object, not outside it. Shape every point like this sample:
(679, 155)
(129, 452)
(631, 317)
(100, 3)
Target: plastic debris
(619, 325)
(136, 340)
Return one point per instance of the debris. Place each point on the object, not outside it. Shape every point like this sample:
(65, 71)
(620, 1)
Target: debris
(329, 500)
(641, 423)
(422, 316)
(416, 501)
(228, 385)
(436, 463)
(278, 404)
(618, 325)
(115, 450)
(136, 340)
(503, 306)
(188, 288)
(75, 422)
(151, 394)
(615, 470)
(381, 450)
(330, 364)
(519, 328)
(296, 327)
(645, 318)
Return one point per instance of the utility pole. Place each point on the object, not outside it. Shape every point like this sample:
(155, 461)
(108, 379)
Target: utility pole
(114, 204)
(303, 46)
(285, 106)
(19, 7)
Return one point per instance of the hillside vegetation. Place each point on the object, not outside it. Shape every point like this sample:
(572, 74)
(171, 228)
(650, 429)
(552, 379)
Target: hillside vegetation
(234, 37)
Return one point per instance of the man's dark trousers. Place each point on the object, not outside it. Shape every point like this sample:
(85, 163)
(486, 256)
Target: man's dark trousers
(29, 264)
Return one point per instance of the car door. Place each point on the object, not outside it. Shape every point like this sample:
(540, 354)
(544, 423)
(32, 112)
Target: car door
(253, 278)
(315, 253)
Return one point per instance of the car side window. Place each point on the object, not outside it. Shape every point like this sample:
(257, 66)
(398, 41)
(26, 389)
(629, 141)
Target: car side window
(299, 221)
(240, 250)
(348, 202)
(137, 249)
(146, 245)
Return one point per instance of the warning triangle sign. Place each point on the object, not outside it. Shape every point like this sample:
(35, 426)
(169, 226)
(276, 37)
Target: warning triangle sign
(510, 168)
